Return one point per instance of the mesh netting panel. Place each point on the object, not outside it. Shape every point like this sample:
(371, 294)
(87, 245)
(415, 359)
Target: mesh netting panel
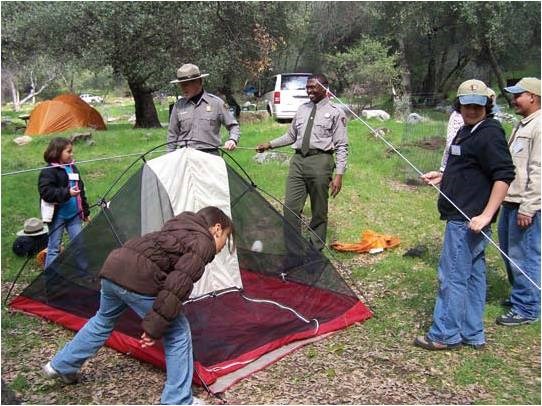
(284, 253)
(288, 287)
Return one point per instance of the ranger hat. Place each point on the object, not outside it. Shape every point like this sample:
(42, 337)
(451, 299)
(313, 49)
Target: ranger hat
(472, 92)
(531, 85)
(33, 227)
(188, 72)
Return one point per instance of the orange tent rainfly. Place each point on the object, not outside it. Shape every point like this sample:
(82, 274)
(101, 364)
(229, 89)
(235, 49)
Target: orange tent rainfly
(62, 113)
(370, 242)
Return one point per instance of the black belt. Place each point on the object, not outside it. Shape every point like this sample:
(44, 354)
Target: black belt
(314, 152)
(510, 205)
(207, 149)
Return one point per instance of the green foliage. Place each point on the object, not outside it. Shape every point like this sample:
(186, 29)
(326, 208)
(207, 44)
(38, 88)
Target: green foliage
(366, 70)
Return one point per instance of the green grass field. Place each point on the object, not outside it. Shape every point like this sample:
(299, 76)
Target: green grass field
(400, 290)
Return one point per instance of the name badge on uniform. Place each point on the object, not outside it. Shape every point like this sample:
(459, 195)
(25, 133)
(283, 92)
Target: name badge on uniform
(455, 150)
(327, 115)
(208, 108)
(73, 176)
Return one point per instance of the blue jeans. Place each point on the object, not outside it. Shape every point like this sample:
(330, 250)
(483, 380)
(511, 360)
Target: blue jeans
(177, 341)
(56, 231)
(459, 309)
(522, 245)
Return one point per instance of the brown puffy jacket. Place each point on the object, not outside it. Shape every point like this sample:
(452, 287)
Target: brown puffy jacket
(165, 264)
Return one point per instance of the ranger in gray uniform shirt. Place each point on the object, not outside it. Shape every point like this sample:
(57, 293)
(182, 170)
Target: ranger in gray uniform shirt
(196, 118)
(317, 131)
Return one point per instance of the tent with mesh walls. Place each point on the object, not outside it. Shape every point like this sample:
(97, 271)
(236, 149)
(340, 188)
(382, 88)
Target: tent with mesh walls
(250, 308)
(62, 113)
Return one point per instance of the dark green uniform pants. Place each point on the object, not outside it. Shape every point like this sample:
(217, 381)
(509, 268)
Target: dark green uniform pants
(310, 176)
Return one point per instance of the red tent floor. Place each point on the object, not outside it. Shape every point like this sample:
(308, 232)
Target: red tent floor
(236, 333)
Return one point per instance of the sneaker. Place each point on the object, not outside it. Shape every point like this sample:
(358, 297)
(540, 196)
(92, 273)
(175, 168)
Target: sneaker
(513, 319)
(51, 373)
(197, 401)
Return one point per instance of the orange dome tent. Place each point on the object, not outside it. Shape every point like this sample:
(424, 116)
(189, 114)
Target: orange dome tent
(62, 113)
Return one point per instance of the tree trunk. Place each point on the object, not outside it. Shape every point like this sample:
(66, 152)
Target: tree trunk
(462, 62)
(14, 94)
(402, 98)
(145, 110)
(440, 73)
(32, 88)
(498, 72)
(225, 89)
(428, 85)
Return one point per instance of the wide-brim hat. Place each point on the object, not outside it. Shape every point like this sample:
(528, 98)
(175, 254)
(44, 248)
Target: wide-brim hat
(188, 72)
(531, 85)
(473, 91)
(33, 227)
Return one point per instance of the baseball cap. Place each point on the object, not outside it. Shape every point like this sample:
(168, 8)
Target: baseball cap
(472, 91)
(531, 85)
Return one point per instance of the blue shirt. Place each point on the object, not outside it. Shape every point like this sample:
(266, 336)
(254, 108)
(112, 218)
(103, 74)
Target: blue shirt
(68, 209)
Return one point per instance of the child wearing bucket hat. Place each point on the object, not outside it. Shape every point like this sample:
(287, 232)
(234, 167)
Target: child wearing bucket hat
(60, 184)
(476, 178)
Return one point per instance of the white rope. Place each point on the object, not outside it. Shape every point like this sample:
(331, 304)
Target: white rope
(225, 367)
(378, 135)
(285, 308)
(236, 289)
(84, 162)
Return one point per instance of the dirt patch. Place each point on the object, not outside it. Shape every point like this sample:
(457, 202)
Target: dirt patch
(433, 143)
(399, 186)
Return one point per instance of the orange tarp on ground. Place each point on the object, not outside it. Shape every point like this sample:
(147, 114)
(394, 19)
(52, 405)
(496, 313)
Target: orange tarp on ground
(62, 113)
(370, 242)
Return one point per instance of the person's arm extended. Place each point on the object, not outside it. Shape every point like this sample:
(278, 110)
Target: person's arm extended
(498, 193)
(286, 139)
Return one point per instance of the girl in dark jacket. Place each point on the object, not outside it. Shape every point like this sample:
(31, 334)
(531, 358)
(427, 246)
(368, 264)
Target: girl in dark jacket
(61, 185)
(153, 275)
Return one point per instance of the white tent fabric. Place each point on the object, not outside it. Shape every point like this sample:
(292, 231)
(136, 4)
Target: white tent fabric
(193, 180)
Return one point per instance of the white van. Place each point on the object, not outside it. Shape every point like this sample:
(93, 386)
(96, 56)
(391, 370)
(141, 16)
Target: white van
(284, 93)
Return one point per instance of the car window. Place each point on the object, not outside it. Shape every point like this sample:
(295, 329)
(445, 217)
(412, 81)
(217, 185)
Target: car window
(269, 84)
(295, 82)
